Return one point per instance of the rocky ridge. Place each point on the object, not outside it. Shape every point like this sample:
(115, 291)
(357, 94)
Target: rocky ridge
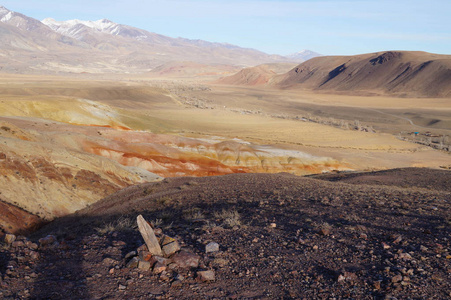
(265, 236)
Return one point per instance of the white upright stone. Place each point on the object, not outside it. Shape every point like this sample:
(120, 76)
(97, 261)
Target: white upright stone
(149, 236)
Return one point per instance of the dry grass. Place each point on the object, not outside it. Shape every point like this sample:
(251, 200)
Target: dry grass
(193, 214)
(121, 224)
(229, 218)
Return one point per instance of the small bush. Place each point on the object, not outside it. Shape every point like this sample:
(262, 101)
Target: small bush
(229, 217)
(121, 224)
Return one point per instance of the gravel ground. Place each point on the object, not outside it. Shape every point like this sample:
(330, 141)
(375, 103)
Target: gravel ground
(280, 237)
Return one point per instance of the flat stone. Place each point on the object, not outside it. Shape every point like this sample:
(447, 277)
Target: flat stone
(144, 265)
(185, 259)
(221, 262)
(206, 275)
(133, 263)
(159, 259)
(159, 268)
(171, 248)
(405, 256)
(167, 240)
(145, 255)
(149, 236)
(130, 254)
(109, 262)
(18, 244)
(48, 240)
(212, 247)
(32, 245)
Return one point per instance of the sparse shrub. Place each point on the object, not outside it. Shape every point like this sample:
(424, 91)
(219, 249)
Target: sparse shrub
(193, 214)
(121, 224)
(229, 217)
(164, 200)
(156, 223)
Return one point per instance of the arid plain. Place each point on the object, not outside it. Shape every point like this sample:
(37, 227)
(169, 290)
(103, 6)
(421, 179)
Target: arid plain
(60, 134)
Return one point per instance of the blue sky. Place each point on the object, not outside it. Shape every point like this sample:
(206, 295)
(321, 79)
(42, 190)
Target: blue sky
(276, 27)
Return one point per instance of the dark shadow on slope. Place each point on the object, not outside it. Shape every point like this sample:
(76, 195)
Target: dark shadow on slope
(285, 266)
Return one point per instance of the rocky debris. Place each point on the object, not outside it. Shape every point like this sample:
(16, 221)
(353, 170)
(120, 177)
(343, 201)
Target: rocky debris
(144, 265)
(47, 241)
(8, 239)
(172, 258)
(206, 275)
(212, 247)
(133, 263)
(186, 260)
(347, 276)
(291, 261)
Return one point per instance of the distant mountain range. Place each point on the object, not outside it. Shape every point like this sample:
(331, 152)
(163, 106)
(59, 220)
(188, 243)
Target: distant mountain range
(29, 45)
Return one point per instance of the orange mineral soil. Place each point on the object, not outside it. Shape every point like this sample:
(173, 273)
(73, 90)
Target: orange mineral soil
(170, 156)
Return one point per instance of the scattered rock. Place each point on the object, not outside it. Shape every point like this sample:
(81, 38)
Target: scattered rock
(171, 248)
(48, 240)
(405, 256)
(144, 265)
(221, 262)
(34, 255)
(347, 276)
(122, 287)
(325, 230)
(385, 246)
(159, 268)
(186, 259)
(396, 278)
(130, 254)
(133, 263)
(206, 275)
(8, 239)
(109, 262)
(159, 259)
(145, 255)
(397, 240)
(31, 245)
(212, 247)
(18, 244)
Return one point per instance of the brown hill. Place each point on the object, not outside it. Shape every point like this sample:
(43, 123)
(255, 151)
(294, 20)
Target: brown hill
(280, 237)
(189, 69)
(258, 75)
(415, 74)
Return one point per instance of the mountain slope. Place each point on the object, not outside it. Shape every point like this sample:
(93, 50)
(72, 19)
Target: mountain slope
(104, 46)
(402, 73)
(303, 55)
(258, 75)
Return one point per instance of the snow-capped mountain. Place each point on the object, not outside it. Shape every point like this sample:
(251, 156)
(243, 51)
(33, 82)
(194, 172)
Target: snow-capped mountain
(104, 46)
(303, 55)
(20, 21)
(78, 29)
